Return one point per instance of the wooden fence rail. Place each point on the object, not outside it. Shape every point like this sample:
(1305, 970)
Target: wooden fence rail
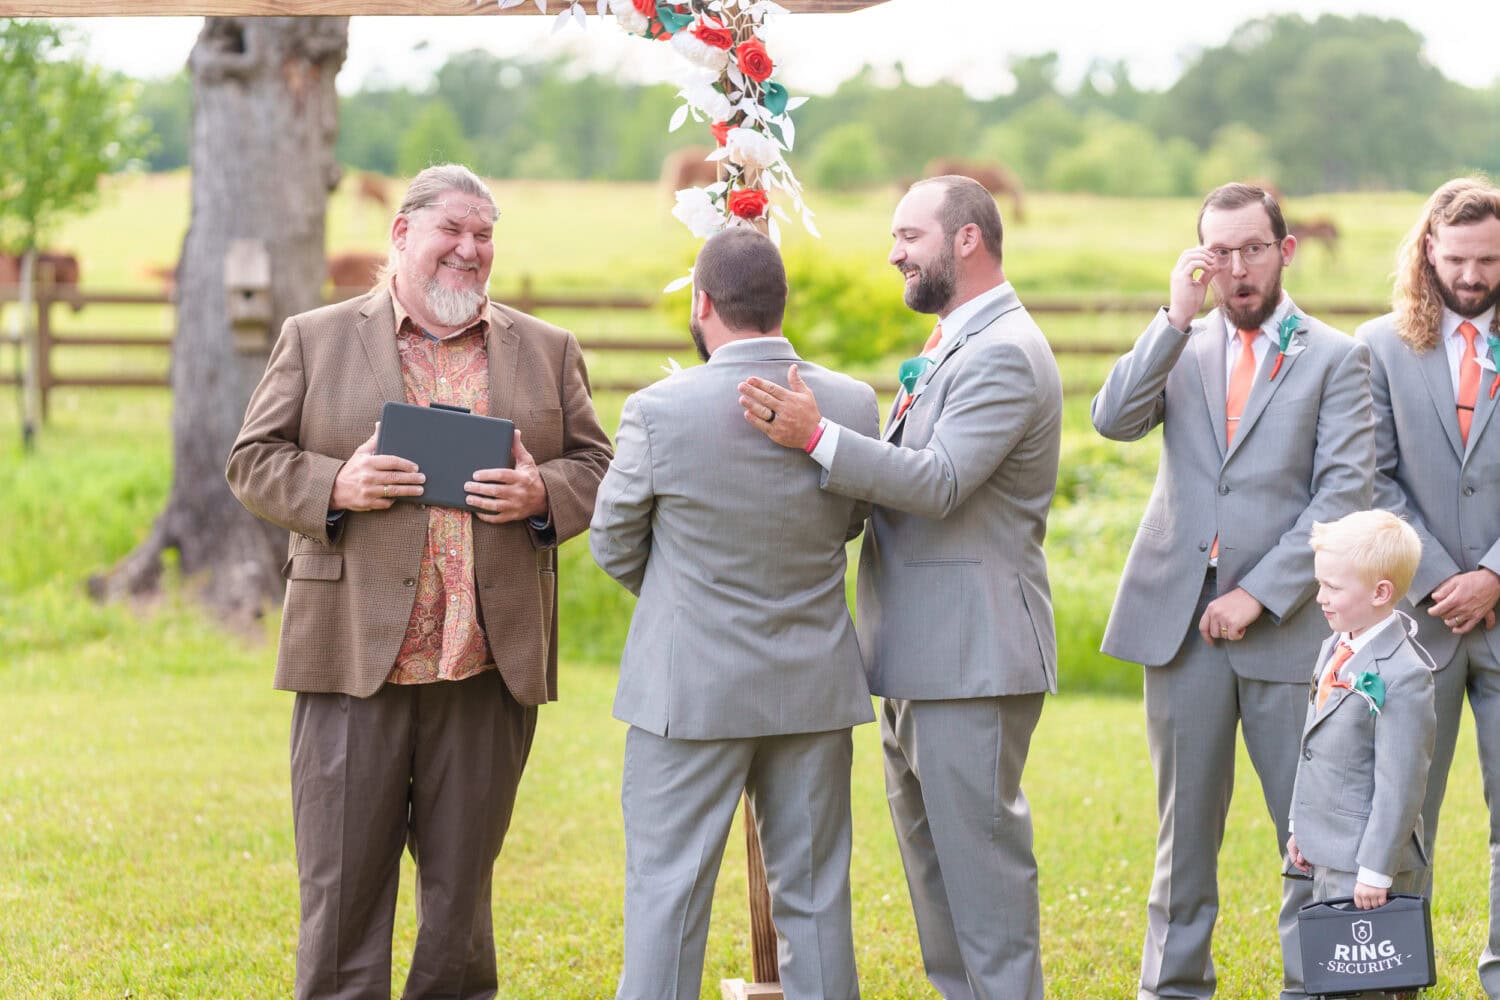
(527, 300)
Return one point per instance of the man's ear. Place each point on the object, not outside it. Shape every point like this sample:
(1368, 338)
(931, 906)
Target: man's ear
(703, 306)
(399, 228)
(966, 240)
(1385, 592)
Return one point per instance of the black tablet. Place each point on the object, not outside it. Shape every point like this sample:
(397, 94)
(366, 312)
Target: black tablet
(448, 444)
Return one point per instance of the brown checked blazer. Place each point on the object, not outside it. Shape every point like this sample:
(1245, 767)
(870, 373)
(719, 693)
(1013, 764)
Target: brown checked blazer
(351, 587)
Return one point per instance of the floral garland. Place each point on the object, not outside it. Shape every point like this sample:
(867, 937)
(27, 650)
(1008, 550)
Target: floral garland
(730, 88)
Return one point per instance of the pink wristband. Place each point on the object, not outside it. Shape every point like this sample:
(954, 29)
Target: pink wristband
(817, 435)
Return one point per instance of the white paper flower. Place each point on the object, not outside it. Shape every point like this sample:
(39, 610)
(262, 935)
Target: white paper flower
(750, 148)
(703, 95)
(696, 210)
(630, 19)
(699, 54)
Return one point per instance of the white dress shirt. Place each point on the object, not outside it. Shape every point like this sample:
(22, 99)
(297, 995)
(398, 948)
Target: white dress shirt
(953, 325)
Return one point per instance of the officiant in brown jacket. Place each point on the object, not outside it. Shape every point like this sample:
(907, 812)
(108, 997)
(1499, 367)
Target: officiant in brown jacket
(419, 639)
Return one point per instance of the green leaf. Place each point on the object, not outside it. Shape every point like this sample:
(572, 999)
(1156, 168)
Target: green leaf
(774, 97)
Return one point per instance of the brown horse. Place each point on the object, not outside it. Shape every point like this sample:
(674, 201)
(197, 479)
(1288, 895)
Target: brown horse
(372, 188)
(992, 176)
(56, 272)
(686, 167)
(1320, 228)
(355, 271)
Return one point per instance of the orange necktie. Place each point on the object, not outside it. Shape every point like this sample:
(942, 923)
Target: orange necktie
(1339, 658)
(932, 342)
(1240, 383)
(1468, 379)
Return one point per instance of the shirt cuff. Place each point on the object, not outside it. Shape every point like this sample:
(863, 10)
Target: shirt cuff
(827, 444)
(1374, 879)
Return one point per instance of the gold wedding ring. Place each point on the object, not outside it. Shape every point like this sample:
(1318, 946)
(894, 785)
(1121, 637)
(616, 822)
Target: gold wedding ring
(385, 490)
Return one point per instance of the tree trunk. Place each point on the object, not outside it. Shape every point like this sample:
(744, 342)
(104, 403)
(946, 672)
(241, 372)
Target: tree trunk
(265, 116)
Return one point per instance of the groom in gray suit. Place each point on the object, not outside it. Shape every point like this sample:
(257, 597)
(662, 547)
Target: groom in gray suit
(955, 613)
(741, 672)
(1268, 429)
(1437, 464)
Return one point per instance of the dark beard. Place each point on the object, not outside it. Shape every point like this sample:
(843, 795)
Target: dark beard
(697, 331)
(1451, 300)
(1253, 319)
(934, 288)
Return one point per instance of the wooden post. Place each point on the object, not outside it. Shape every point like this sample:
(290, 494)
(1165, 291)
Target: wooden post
(42, 343)
(763, 965)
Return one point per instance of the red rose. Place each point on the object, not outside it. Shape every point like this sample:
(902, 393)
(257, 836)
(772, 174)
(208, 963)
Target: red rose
(713, 34)
(748, 203)
(754, 61)
(721, 131)
(645, 8)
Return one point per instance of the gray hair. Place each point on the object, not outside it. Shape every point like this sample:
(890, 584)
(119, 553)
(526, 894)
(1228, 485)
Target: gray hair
(424, 189)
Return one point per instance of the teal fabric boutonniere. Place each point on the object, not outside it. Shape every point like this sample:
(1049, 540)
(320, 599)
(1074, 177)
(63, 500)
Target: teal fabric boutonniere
(1288, 328)
(1368, 686)
(911, 370)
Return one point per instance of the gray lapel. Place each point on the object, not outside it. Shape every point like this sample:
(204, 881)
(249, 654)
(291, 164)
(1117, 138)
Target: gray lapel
(1369, 658)
(1209, 352)
(1008, 302)
(1434, 366)
(377, 332)
(1265, 387)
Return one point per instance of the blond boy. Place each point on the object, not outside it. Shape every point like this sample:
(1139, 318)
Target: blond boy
(1367, 741)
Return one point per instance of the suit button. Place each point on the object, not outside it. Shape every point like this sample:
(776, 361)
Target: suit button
(408, 582)
(1306, 754)
(421, 506)
(1468, 491)
(1223, 489)
(1202, 546)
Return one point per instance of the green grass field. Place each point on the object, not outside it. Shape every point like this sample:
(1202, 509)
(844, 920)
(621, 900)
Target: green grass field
(146, 841)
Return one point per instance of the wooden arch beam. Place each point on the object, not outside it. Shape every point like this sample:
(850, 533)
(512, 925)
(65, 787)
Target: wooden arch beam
(286, 8)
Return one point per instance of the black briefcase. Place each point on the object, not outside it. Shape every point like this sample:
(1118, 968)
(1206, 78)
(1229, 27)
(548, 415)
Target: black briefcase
(1347, 950)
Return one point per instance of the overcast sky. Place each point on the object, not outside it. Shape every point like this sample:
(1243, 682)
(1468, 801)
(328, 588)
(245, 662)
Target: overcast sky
(966, 40)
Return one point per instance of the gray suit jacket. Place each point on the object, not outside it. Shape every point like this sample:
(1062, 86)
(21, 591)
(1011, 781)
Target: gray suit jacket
(1361, 779)
(1303, 453)
(742, 628)
(953, 595)
(1423, 472)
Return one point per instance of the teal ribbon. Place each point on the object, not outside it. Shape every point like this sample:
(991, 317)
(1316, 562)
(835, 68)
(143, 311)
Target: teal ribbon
(1494, 343)
(911, 370)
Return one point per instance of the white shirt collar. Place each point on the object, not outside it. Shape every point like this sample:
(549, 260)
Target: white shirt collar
(1452, 321)
(953, 323)
(1267, 329)
(1362, 640)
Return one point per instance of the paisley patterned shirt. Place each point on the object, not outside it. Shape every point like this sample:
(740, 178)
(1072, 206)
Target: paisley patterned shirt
(444, 640)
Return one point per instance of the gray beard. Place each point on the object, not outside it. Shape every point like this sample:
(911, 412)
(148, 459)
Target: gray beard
(451, 306)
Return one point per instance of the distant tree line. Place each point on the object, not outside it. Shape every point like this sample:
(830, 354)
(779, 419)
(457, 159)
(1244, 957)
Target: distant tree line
(1337, 103)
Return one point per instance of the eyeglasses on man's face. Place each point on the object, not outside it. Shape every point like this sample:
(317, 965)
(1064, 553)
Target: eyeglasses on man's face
(458, 211)
(1249, 253)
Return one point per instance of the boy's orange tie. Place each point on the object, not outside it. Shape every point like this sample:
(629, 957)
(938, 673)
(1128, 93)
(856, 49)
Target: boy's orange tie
(932, 341)
(1340, 656)
(1468, 379)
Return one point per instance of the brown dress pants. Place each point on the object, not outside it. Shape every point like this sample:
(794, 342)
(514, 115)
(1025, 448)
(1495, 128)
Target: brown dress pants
(433, 767)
